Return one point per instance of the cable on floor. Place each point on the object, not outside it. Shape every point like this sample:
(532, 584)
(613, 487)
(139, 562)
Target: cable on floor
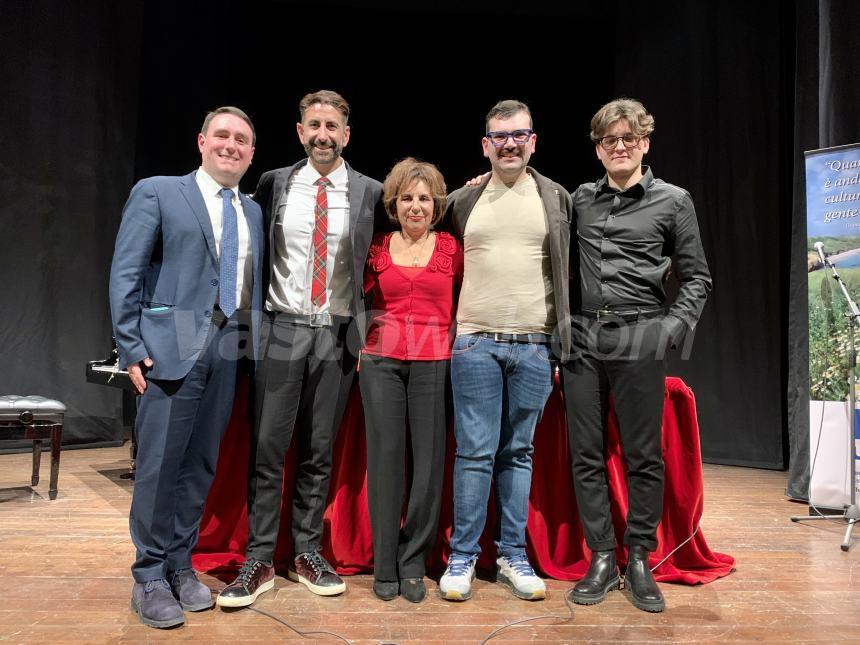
(516, 623)
(298, 631)
(562, 619)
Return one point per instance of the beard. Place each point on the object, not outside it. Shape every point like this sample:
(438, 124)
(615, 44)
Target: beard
(323, 155)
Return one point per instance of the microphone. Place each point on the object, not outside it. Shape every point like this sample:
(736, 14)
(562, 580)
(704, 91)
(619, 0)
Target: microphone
(819, 246)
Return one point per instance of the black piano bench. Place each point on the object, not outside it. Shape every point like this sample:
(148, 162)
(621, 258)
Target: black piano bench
(34, 418)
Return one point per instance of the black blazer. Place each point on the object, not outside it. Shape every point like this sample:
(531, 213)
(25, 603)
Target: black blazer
(365, 215)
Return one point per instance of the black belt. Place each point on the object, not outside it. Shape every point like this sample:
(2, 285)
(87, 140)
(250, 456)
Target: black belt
(324, 319)
(628, 315)
(543, 339)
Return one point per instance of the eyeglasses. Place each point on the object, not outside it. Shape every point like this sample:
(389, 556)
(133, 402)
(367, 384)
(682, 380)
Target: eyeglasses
(499, 138)
(610, 142)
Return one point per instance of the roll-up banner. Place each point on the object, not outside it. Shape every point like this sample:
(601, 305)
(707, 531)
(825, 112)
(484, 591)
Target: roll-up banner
(833, 219)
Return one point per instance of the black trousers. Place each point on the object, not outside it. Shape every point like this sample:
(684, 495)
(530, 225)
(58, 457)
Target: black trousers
(627, 359)
(394, 391)
(305, 376)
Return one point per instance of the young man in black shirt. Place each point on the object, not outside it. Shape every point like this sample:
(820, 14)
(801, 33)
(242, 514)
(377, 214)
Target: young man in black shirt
(634, 231)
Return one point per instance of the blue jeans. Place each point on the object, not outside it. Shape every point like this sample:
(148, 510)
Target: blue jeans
(500, 389)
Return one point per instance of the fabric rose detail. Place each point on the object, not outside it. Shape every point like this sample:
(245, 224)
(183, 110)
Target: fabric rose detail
(378, 258)
(446, 245)
(442, 263)
(381, 262)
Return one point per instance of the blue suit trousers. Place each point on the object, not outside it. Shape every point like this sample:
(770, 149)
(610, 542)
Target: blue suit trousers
(179, 428)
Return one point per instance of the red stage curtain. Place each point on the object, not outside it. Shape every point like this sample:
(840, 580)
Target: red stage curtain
(556, 544)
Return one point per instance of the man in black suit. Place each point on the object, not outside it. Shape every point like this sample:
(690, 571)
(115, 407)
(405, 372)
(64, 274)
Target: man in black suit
(320, 219)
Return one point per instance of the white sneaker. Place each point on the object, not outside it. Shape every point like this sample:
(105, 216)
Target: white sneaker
(456, 582)
(517, 575)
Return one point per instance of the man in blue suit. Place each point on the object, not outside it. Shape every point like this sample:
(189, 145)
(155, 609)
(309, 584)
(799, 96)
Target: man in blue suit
(185, 273)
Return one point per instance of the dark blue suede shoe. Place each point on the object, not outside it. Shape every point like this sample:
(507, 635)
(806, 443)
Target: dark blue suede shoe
(192, 594)
(155, 605)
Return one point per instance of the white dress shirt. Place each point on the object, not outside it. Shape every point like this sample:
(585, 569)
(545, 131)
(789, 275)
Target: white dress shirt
(211, 191)
(292, 257)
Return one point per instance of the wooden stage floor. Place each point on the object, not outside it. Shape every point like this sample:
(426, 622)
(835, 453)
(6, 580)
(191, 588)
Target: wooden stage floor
(64, 577)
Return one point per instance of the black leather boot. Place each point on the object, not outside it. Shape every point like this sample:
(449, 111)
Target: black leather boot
(602, 577)
(644, 592)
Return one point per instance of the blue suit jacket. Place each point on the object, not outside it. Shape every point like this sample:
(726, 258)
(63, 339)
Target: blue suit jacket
(164, 275)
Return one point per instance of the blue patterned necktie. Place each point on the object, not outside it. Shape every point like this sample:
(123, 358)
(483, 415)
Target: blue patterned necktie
(229, 255)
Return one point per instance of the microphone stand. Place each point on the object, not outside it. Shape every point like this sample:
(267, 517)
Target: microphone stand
(851, 515)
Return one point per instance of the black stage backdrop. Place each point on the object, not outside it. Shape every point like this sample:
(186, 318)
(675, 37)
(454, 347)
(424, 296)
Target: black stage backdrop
(127, 86)
(711, 75)
(69, 75)
(827, 113)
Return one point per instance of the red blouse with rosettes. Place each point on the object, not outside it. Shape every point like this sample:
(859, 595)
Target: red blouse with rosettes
(412, 308)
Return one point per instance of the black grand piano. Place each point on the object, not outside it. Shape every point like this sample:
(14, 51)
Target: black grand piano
(107, 372)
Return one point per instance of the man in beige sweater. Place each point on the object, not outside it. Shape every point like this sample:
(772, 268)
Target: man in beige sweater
(513, 312)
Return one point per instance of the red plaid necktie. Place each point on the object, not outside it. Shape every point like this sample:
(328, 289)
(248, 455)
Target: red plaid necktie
(320, 243)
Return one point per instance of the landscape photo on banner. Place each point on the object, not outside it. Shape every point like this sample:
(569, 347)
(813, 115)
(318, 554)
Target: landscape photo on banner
(833, 228)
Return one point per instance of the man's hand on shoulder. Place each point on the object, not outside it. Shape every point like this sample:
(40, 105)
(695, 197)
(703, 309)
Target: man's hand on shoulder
(137, 371)
(475, 181)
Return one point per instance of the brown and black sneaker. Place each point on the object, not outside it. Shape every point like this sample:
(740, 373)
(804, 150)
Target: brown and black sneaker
(312, 570)
(255, 577)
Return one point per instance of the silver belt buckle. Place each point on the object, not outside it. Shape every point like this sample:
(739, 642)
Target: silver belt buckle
(320, 320)
(603, 313)
(497, 337)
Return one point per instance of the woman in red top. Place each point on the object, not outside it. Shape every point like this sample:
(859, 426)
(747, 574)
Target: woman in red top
(410, 279)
